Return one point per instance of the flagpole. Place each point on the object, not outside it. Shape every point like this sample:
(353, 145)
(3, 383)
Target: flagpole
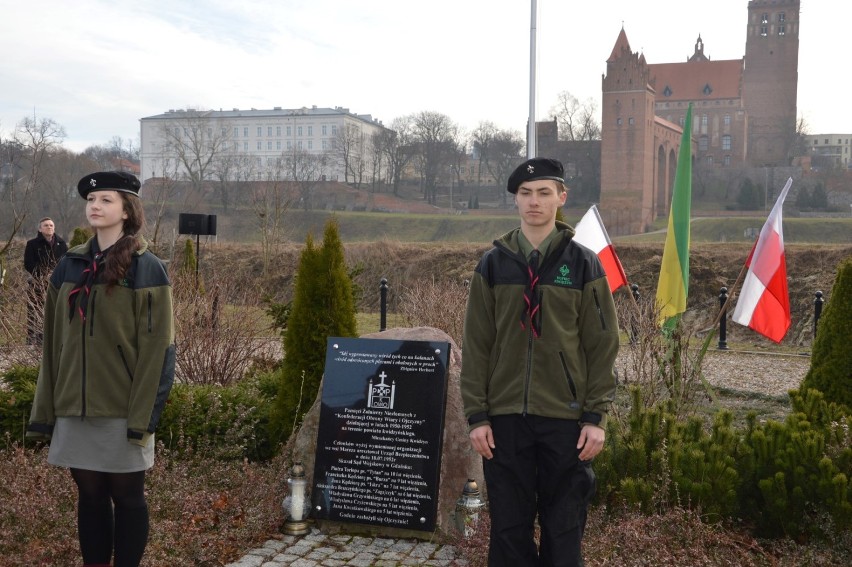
(531, 119)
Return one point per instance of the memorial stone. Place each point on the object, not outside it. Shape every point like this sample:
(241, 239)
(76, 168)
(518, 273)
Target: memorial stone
(379, 440)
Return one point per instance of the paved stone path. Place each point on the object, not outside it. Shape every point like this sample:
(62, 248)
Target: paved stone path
(320, 550)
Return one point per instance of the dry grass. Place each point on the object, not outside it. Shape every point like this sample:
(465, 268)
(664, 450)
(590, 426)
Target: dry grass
(675, 538)
(203, 512)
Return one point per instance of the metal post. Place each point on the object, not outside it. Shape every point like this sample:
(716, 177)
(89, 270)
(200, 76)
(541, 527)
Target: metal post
(634, 322)
(723, 320)
(818, 301)
(383, 304)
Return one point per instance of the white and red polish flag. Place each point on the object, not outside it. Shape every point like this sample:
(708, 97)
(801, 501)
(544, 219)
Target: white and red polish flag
(764, 303)
(590, 232)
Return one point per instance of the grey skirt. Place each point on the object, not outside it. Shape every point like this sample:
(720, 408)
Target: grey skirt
(97, 444)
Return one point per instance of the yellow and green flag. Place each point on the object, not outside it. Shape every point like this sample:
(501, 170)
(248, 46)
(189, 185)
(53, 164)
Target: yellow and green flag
(673, 285)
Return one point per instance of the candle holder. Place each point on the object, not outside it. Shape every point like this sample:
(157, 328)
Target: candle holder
(296, 504)
(468, 508)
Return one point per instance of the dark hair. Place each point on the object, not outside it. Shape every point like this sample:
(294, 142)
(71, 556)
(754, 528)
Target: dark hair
(121, 253)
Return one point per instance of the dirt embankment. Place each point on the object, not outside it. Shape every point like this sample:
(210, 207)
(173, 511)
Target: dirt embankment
(809, 269)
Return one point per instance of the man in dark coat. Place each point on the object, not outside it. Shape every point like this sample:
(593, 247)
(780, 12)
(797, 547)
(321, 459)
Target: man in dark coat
(40, 257)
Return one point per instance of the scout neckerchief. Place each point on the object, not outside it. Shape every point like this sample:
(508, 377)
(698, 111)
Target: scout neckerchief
(531, 300)
(87, 280)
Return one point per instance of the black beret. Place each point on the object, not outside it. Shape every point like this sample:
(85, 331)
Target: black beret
(109, 181)
(533, 170)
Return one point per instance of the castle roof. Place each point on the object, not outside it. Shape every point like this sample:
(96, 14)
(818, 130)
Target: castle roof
(696, 80)
(621, 46)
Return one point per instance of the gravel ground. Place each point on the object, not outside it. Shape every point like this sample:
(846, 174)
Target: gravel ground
(767, 374)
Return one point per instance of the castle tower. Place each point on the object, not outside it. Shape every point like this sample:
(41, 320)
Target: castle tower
(770, 79)
(627, 139)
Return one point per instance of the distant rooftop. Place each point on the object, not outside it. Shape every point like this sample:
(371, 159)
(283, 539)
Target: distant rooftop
(275, 112)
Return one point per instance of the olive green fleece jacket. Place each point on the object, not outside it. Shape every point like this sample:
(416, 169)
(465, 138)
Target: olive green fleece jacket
(568, 370)
(117, 362)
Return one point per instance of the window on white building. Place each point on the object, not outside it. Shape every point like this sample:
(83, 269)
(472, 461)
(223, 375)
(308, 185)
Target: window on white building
(245, 132)
(310, 130)
(259, 144)
(289, 131)
(310, 144)
(269, 130)
(299, 131)
(269, 144)
(324, 128)
(334, 129)
(277, 144)
(278, 131)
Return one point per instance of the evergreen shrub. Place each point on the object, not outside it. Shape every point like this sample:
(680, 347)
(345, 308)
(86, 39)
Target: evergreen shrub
(223, 422)
(831, 358)
(790, 478)
(17, 390)
(80, 236)
(323, 306)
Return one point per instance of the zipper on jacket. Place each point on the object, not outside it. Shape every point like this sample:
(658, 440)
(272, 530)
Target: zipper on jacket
(150, 312)
(124, 362)
(92, 315)
(529, 369)
(568, 375)
(598, 307)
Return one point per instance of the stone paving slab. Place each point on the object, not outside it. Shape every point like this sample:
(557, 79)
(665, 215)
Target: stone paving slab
(319, 550)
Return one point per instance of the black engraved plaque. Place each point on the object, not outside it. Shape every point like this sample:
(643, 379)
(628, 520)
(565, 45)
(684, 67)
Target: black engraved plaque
(380, 432)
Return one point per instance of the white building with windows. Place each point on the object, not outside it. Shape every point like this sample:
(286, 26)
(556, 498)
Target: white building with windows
(831, 150)
(255, 140)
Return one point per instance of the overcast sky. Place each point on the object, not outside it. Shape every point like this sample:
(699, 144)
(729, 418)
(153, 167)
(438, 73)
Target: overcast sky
(97, 66)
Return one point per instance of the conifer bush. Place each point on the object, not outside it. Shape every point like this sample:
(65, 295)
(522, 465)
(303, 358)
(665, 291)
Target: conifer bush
(831, 359)
(222, 422)
(323, 306)
(786, 479)
(17, 390)
(80, 236)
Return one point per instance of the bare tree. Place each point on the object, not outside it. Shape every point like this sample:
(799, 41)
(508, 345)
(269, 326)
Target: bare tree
(57, 194)
(376, 157)
(435, 139)
(577, 121)
(114, 155)
(481, 139)
(32, 142)
(397, 146)
(505, 153)
(306, 170)
(270, 199)
(160, 190)
(196, 141)
(350, 144)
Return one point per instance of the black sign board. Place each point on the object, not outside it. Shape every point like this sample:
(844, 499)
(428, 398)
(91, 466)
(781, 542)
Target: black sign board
(380, 432)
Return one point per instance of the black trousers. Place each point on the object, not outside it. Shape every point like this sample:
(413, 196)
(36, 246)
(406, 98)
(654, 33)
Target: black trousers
(536, 471)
